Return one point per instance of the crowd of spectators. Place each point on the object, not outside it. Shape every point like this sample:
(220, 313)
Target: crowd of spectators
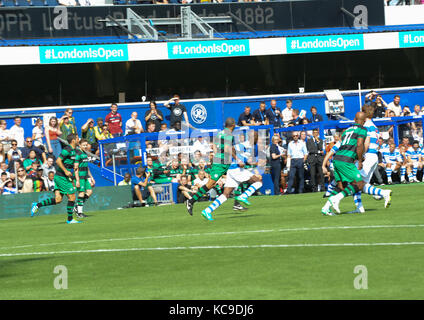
(294, 158)
(403, 2)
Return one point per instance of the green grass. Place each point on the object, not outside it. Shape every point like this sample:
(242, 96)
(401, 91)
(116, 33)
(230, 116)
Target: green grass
(235, 268)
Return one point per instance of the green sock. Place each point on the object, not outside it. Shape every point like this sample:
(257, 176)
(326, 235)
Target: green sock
(47, 202)
(349, 191)
(202, 191)
(70, 209)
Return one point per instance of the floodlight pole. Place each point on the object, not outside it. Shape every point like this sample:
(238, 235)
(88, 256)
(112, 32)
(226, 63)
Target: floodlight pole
(360, 98)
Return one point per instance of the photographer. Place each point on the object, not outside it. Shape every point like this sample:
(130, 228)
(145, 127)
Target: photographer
(154, 115)
(141, 187)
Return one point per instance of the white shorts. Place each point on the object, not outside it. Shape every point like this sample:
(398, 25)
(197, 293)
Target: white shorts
(237, 176)
(368, 166)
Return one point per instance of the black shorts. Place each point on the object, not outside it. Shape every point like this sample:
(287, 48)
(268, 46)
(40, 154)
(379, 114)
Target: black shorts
(144, 194)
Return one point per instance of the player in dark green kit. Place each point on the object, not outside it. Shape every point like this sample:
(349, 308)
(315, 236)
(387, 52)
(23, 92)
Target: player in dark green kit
(224, 152)
(84, 181)
(63, 179)
(346, 173)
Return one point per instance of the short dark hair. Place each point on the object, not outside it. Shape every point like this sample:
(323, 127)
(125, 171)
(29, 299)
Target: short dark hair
(229, 122)
(71, 137)
(415, 142)
(83, 140)
(313, 107)
(140, 171)
(289, 100)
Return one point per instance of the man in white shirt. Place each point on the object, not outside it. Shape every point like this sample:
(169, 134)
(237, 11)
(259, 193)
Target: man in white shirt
(4, 133)
(395, 107)
(202, 145)
(287, 113)
(17, 132)
(133, 125)
(296, 157)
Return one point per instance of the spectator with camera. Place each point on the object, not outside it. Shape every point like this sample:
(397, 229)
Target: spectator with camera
(141, 187)
(185, 189)
(154, 115)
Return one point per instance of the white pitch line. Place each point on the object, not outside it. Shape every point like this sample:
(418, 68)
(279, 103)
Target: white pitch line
(217, 234)
(216, 247)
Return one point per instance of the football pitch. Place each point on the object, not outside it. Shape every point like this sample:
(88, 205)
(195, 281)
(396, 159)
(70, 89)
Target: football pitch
(281, 248)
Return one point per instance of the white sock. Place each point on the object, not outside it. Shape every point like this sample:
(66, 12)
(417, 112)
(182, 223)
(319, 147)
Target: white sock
(215, 205)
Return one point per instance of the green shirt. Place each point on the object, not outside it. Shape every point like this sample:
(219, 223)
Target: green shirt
(223, 139)
(347, 151)
(90, 135)
(82, 160)
(68, 156)
(66, 129)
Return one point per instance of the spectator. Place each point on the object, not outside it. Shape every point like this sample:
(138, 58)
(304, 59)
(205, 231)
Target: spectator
(99, 128)
(114, 121)
(17, 133)
(296, 157)
(4, 169)
(8, 188)
(27, 186)
(126, 181)
(287, 113)
(66, 128)
(133, 125)
(49, 181)
(202, 145)
(276, 157)
(14, 155)
(178, 111)
(105, 133)
(380, 107)
(395, 107)
(52, 133)
(246, 118)
(260, 116)
(4, 134)
(140, 186)
(27, 163)
(296, 120)
(175, 170)
(38, 134)
(163, 127)
(274, 114)
(315, 116)
(417, 111)
(48, 166)
(88, 133)
(20, 178)
(69, 113)
(303, 136)
(185, 190)
(3, 156)
(315, 147)
(155, 115)
(29, 146)
(38, 181)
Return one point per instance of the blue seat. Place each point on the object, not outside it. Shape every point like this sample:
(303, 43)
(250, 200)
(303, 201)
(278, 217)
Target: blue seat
(39, 3)
(24, 3)
(52, 3)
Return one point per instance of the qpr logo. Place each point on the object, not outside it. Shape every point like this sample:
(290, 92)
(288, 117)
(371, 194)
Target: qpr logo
(199, 113)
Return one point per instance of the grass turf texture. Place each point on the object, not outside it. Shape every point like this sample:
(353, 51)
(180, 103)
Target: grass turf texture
(126, 270)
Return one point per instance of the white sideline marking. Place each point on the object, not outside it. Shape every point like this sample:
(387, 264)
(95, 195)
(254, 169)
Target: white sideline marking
(216, 247)
(219, 233)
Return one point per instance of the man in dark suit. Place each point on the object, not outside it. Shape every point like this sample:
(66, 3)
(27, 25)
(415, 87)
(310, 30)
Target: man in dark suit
(315, 147)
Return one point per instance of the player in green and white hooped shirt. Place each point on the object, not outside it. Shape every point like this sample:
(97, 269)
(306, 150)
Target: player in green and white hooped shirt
(63, 179)
(84, 181)
(224, 152)
(347, 175)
